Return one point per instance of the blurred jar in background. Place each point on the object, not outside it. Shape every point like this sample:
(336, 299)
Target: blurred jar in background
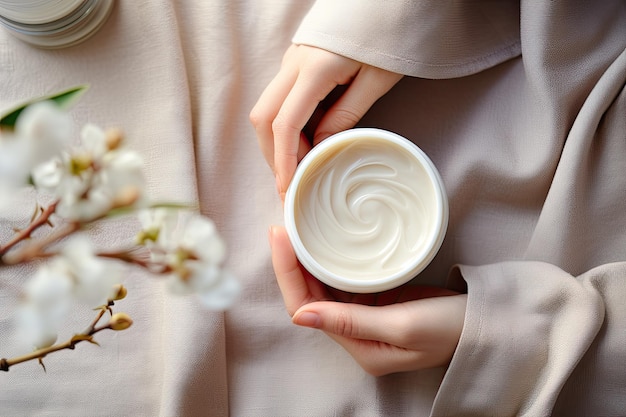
(54, 23)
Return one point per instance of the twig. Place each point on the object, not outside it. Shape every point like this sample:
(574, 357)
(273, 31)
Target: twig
(39, 354)
(36, 248)
(43, 218)
(129, 258)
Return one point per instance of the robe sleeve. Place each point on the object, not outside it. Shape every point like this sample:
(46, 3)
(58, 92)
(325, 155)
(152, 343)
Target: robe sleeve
(537, 339)
(425, 38)
(546, 335)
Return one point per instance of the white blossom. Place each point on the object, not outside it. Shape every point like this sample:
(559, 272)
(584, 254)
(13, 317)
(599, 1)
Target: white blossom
(77, 275)
(157, 226)
(34, 330)
(90, 179)
(41, 131)
(47, 128)
(221, 292)
(48, 175)
(48, 298)
(14, 160)
(93, 278)
(93, 140)
(199, 235)
(195, 254)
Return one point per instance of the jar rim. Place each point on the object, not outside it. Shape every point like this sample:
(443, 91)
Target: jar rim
(45, 28)
(383, 283)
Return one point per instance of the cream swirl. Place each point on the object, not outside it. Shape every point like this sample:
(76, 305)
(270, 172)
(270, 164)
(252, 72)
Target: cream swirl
(366, 210)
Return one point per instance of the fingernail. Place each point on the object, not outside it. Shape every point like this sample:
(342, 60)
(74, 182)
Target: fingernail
(307, 319)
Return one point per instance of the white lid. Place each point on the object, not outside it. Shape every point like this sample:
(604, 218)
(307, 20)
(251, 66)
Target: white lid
(72, 29)
(35, 12)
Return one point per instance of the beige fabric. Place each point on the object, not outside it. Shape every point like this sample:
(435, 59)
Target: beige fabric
(531, 150)
(426, 38)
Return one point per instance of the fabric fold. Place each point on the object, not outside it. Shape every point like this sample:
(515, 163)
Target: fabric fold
(528, 325)
(426, 38)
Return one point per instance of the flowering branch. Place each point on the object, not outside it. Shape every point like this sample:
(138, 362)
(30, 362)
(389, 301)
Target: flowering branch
(36, 249)
(119, 321)
(42, 219)
(90, 180)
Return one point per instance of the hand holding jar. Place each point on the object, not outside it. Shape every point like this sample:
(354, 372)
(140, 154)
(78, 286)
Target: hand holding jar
(307, 76)
(403, 329)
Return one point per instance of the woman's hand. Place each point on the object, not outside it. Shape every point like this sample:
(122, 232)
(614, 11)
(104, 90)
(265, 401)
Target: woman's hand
(306, 78)
(405, 329)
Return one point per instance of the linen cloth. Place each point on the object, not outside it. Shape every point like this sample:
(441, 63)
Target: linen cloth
(521, 107)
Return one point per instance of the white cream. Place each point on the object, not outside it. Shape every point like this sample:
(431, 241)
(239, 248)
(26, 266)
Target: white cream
(366, 209)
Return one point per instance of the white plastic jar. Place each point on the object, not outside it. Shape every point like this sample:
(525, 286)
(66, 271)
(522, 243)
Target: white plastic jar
(54, 23)
(366, 210)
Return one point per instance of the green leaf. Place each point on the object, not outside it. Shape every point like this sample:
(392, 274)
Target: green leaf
(63, 99)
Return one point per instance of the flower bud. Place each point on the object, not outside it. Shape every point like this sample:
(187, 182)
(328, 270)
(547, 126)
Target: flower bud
(119, 292)
(127, 196)
(114, 138)
(120, 321)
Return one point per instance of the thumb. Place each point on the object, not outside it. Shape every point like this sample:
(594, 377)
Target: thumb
(368, 86)
(354, 321)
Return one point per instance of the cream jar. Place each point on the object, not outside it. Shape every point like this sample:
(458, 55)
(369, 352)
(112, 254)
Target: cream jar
(366, 210)
(54, 23)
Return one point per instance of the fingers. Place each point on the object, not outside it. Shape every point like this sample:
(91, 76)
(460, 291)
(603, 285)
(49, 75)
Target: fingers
(401, 324)
(318, 75)
(368, 86)
(378, 358)
(306, 77)
(364, 335)
(296, 285)
(399, 337)
(266, 108)
(288, 274)
(357, 321)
